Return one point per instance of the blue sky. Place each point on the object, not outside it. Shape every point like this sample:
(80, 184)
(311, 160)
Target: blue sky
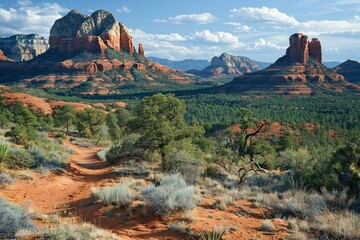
(201, 29)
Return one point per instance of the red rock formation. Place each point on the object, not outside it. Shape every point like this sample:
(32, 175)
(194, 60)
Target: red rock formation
(2, 56)
(298, 51)
(95, 33)
(126, 41)
(71, 44)
(141, 50)
(315, 50)
(111, 41)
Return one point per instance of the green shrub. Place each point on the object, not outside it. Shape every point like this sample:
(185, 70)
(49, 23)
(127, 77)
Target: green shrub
(171, 195)
(12, 219)
(5, 153)
(184, 158)
(126, 147)
(21, 134)
(20, 159)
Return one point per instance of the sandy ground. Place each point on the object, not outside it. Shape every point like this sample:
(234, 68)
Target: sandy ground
(68, 193)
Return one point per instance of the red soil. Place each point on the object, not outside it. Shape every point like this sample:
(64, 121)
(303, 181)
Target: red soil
(68, 194)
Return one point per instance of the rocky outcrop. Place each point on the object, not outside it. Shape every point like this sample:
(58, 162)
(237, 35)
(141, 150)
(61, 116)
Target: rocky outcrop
(23, 47)
(298, 50)
(301, 49)
(350, 70)
(227, 64)
(294, 73)
(141, 50)
(76, 32)
(2, 56)
(315, 50)
(126, 40)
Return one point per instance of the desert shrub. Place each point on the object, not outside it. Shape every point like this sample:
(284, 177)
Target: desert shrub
(213, 187)
(267, 225)
(12, 219)
(171, 195)
(298, 236)
(178, 226)
(45, 160)
(223, 201)
(298, 203)
(220, 204)
(339, 225)
(217, 233)
(20, 134)
(38, 155)
(120, 195)
(5, 178)
(83, 231)
(20, 159)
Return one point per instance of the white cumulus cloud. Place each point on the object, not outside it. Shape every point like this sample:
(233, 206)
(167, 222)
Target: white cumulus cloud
(239, 27)
(123, 9)
(202, 18)
(30, 18)
(143, 36)
(216, 37)
(270, 15)
(262, 43)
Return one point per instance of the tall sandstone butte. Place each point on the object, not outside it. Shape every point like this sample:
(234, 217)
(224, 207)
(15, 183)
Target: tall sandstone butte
(315, 50)
(301, 49)
(141, 50)
(95, 33)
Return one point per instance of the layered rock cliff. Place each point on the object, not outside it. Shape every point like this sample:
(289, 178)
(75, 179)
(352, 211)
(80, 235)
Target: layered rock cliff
(227, 65)
(77, 32)
(23, 47)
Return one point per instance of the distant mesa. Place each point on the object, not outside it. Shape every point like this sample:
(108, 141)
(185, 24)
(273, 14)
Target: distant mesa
(300, 71)
(228, 65)
(350, 70)
(77, 32)
(184, 65)
(23, 47)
